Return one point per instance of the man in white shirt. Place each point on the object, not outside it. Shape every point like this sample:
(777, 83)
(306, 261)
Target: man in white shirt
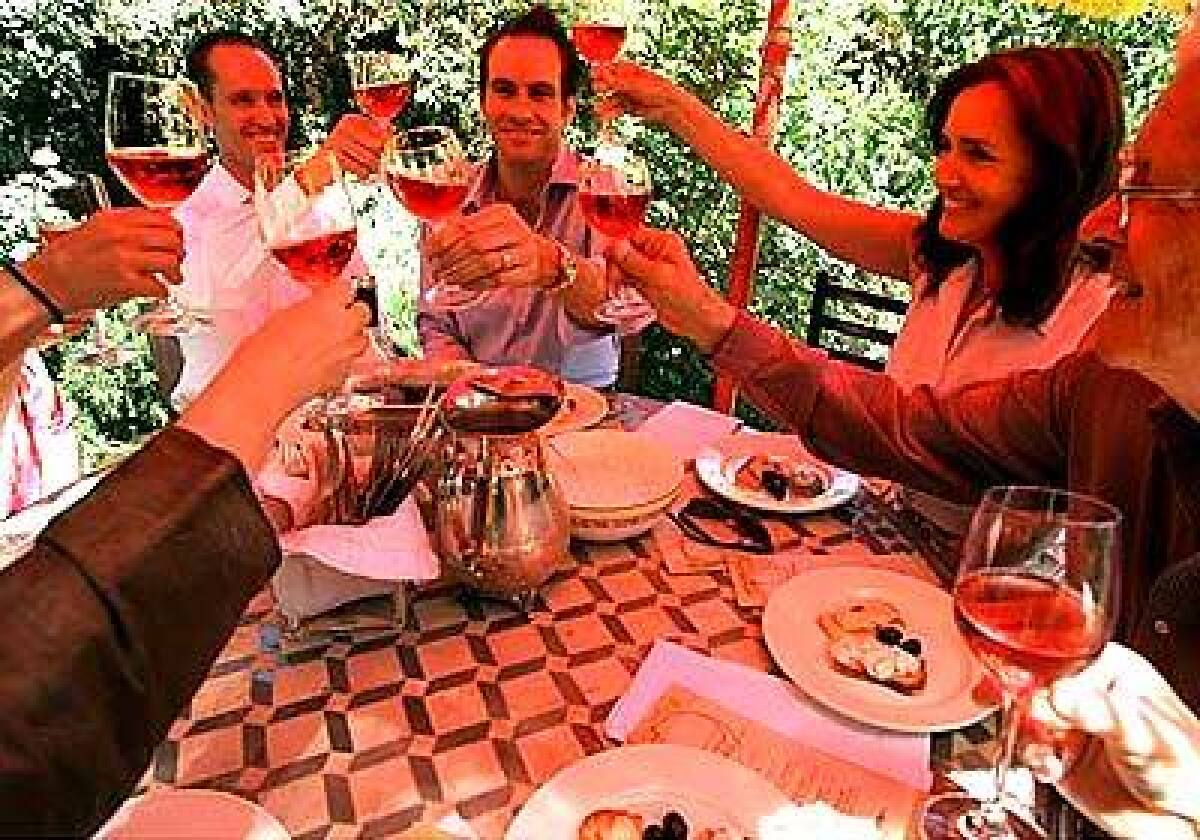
(522, 234)
(227, 270)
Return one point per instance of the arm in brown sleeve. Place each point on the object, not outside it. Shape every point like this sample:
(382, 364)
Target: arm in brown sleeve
(1003, 432)
(111, 622)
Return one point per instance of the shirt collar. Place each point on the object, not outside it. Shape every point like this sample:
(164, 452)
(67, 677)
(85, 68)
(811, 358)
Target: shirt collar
(221, 188)
(564, 173)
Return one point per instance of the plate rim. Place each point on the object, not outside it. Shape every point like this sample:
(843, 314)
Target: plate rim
(637, 755)
(590, 419)
(832, 700)
(678, 468)
(189, 793)
(710, 461)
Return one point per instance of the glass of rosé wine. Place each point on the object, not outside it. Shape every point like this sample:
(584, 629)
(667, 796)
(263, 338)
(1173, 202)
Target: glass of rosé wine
(155, 144)
(382, 83)
(614, 192)
(65, 200)
(598, 35)
(307, 220)
(1035, 600)
(429, 173)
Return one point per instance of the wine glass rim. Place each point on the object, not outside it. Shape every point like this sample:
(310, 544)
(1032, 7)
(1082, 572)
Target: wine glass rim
(1106, 514)
(170, 80)
(443, 130)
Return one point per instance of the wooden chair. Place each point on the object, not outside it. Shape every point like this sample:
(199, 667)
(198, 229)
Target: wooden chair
(853, 325)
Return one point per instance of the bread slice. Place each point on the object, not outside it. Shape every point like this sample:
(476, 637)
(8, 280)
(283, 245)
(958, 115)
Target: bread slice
(611, 824)
(862, 655)
(859, 617)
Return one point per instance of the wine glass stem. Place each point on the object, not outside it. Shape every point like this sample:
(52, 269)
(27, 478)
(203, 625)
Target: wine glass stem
(102, 340)
(992, 810)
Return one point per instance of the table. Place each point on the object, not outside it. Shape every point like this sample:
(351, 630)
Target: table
(472, 705)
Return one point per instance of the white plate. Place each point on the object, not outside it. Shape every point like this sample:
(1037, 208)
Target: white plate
(717, 465)
(708, 790)
(582, 408)
(605, 469)
(798, 646)
(179, 813)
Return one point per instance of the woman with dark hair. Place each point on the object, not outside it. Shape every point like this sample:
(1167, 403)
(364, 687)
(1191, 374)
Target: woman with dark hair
(1025, 145)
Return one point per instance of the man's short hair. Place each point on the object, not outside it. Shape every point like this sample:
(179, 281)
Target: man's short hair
(538, 22)
(198, 68)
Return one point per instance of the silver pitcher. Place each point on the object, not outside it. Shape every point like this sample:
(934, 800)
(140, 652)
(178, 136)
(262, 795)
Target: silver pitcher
(501, 524)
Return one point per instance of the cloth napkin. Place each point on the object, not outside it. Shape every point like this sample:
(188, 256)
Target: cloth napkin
(772, 702)
(326, 566)
(686, 429)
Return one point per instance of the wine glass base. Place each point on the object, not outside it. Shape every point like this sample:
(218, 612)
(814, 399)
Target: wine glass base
(171, 321)
(629, 314)
(958, 816)
(106, 356)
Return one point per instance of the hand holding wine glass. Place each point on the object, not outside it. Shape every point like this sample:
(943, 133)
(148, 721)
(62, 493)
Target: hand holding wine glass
(429, 173)
(599, 35)
(614, 192)
(307, 219)
(155, 143)
(1036, 601)
(64, 202)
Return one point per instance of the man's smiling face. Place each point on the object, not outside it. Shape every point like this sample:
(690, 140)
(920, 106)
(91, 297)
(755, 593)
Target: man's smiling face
(523, 105)
(247, 109)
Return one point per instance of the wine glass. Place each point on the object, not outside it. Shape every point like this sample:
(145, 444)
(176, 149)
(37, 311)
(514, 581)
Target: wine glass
(614, 192)
(308, 222)
(154, 142)
(430, 175)
(599, 35)
(64, 202)
(382, 83)
(1035, 600)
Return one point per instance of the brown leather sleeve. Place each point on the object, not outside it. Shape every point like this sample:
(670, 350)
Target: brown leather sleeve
(110, 623)
(1169, 635)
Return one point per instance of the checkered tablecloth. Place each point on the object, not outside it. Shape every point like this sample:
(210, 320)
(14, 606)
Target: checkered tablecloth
(472, 704)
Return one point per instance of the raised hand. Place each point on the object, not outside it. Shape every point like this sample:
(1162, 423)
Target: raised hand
(112, 257)
(1134, 747)
(491, 248)
(357, 142)
(657, 263)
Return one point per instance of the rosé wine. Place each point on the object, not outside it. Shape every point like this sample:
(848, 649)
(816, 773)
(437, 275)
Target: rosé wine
(383, 102)
(598, 42)
(428, 200)
(159, 177)
(614, 215)
(318, 260)
(1028, 630)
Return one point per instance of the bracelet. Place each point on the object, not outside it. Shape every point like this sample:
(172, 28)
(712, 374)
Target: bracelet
(567, 272)
(52, 308)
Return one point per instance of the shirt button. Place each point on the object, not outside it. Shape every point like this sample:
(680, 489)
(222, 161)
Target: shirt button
(1162, 628)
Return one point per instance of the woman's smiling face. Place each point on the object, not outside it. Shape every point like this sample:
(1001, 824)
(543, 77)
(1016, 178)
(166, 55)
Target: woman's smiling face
(984, 169)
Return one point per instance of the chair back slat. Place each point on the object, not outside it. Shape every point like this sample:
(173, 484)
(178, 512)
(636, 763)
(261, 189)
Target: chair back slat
(853, 325)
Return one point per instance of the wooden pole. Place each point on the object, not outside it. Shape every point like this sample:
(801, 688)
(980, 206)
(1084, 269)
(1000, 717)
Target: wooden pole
(775, 49)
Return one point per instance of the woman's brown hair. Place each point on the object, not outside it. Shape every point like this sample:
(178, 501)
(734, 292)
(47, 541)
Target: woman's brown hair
(1068, 102)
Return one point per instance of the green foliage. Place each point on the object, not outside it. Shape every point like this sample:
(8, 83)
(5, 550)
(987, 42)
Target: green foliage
(859, 76)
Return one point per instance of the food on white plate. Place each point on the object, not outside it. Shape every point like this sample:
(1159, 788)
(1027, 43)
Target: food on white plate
(611, 824)
(781, 477)
(868, 639)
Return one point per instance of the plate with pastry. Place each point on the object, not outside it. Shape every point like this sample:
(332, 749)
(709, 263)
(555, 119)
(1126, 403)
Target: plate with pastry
(582, 407)
(879, 647)
(639, 791)
(773, 473)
